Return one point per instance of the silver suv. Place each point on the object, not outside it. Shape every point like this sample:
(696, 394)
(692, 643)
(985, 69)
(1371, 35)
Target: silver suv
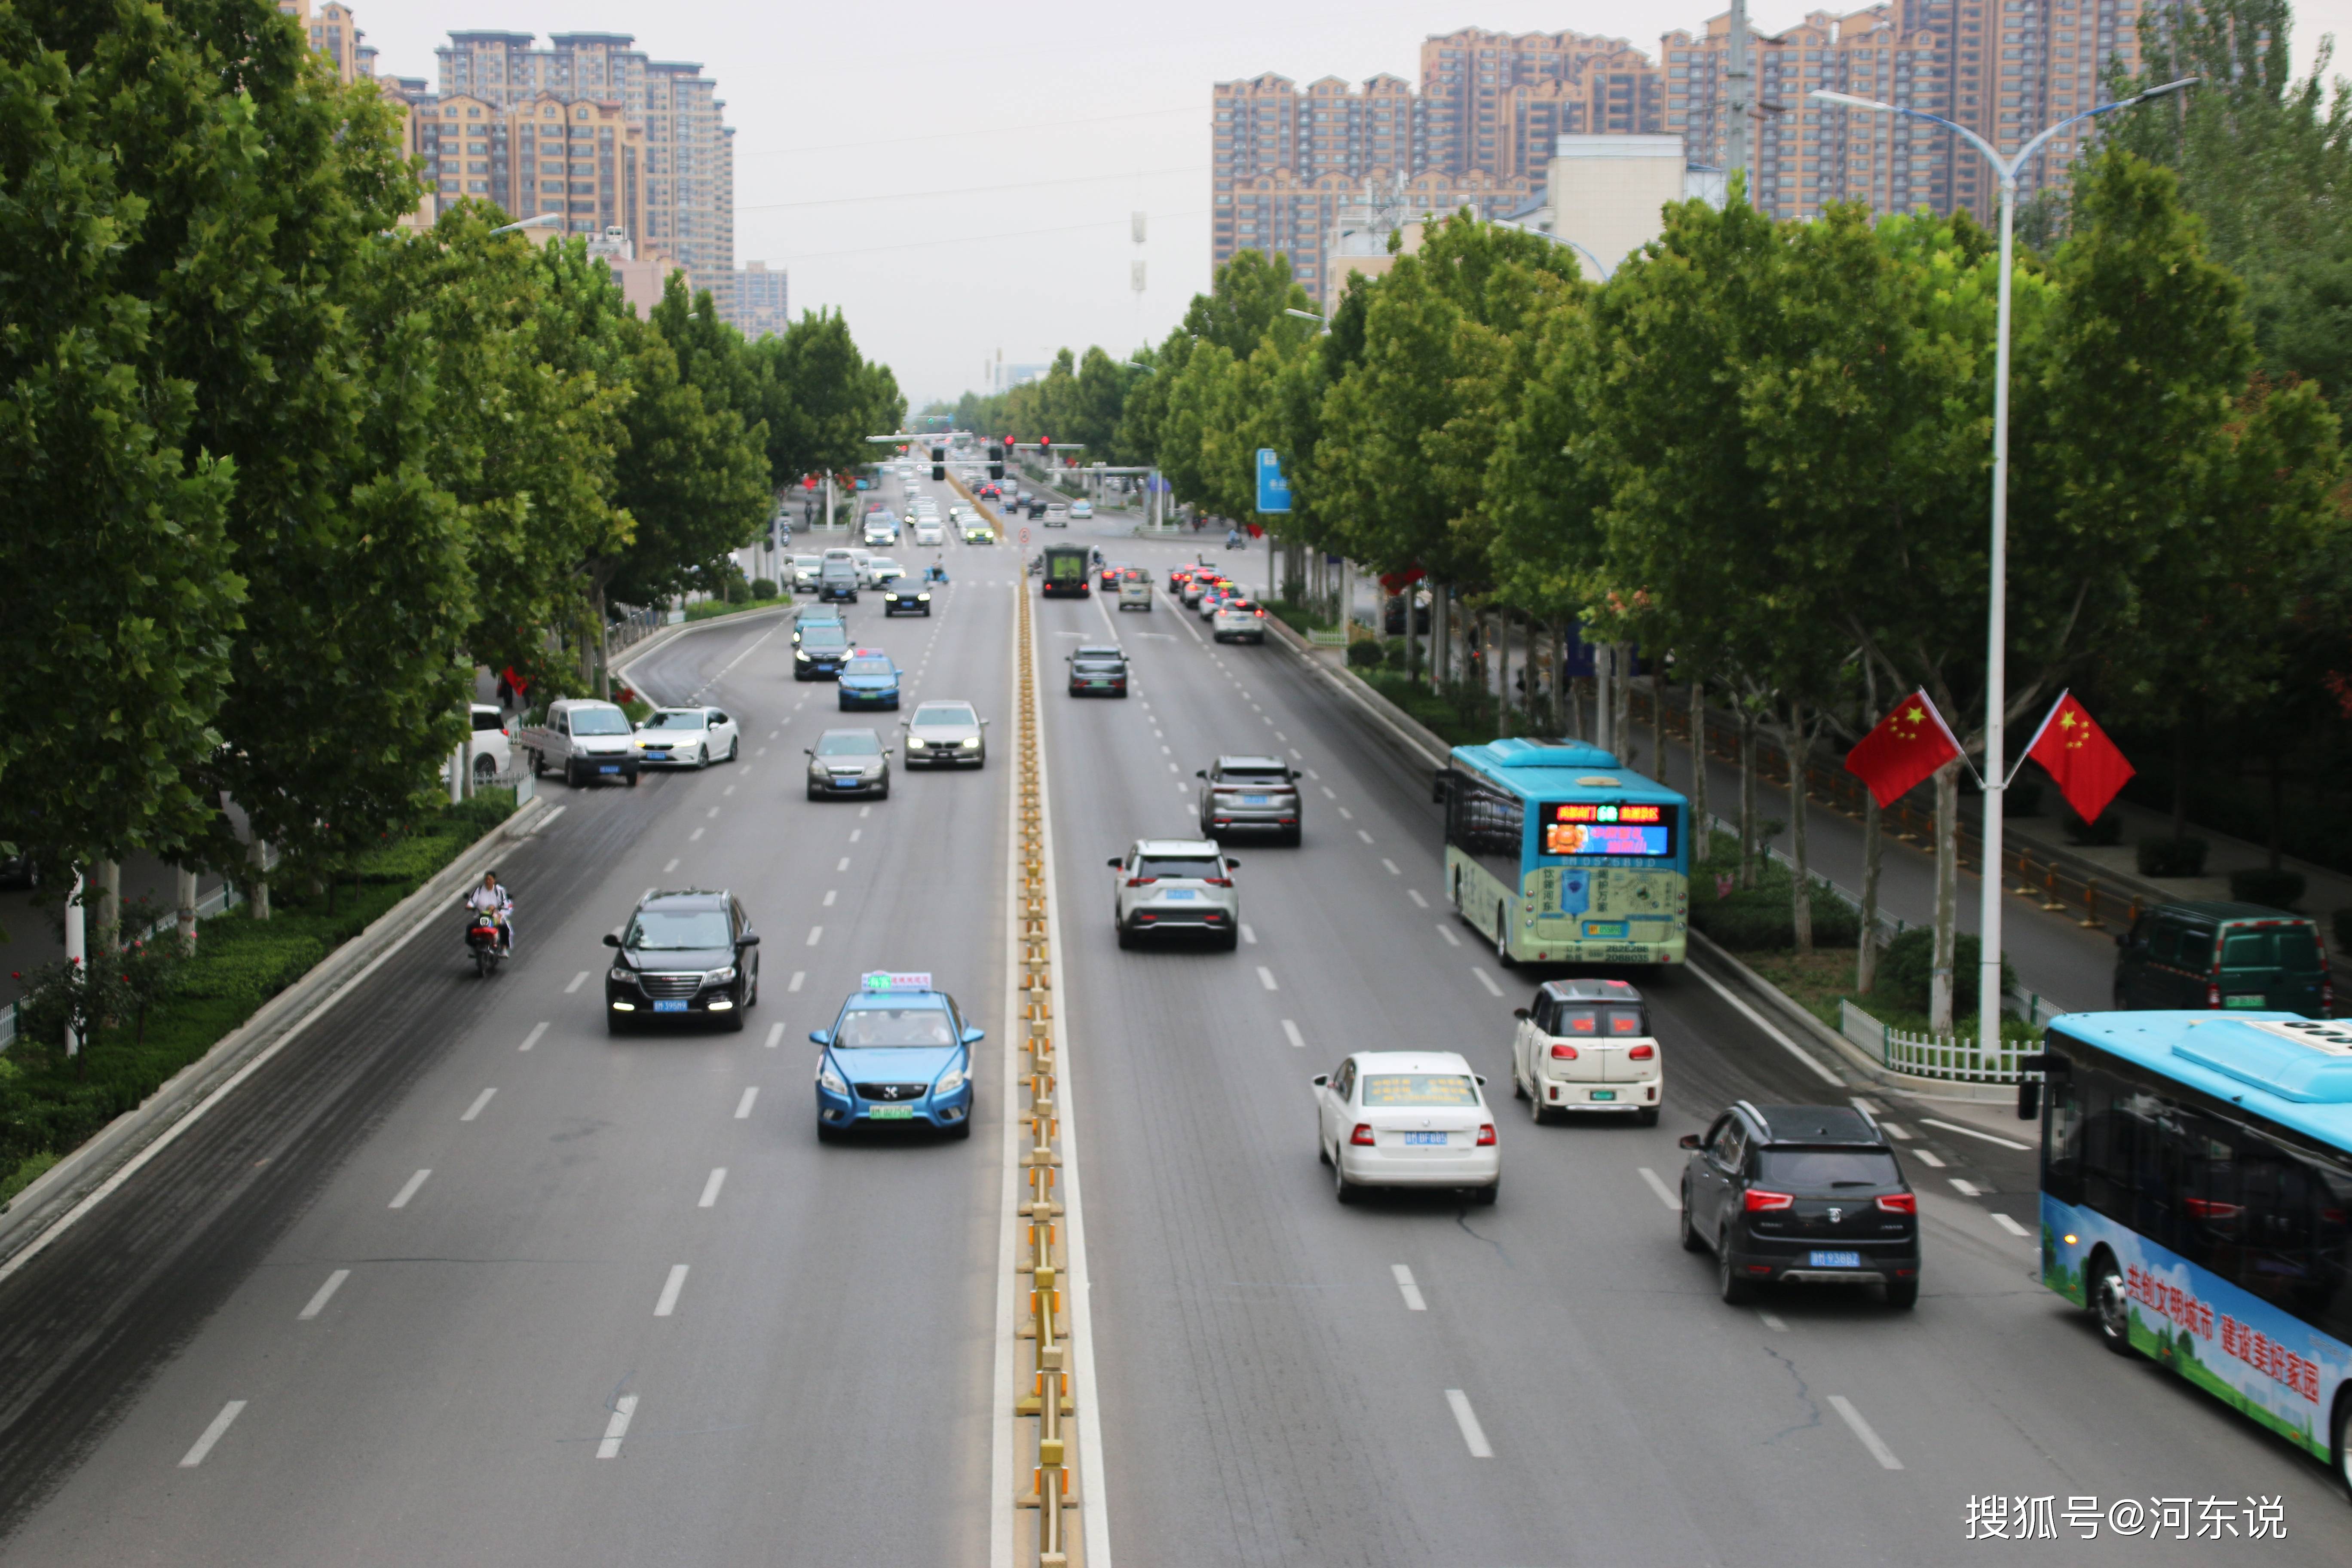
(1176, 884)
(1252, 795)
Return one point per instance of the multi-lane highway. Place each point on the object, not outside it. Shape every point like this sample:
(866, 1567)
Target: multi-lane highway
(282, 1344)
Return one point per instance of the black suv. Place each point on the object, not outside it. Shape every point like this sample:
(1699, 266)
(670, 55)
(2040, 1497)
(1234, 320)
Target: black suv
(688, 954)
(1801, 1192)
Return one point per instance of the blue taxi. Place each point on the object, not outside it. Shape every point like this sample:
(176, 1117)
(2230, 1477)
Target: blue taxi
(868, 680)
(901, 1051)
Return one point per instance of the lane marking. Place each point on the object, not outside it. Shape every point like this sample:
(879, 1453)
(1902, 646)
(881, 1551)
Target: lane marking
(798, 975)
(1753, 1016)
(196, 1455)
(1313, 774)
(843, 866)
(693, 835)
(1870, 1440)
(1967, 1189)
(1180, 788)
(1364, 836)
(1971, 1132)
(744, 1106)
(577, 982)
(728, 790)
(1346, 815)
(2009, 1224)
(408, 1190)
(667, 1303)
(1391, 866)
(1771, 1320)
(617, 1428)
(1467, 1419)
(1658, 1184)
(1405, 1286)
(1865, 1107)
(480, 1101)
(865, 811)
(1927, 1157)
(545, 817)
(1486, 980)
(671, 867)
(1416, 898)
(710, 1186)
(830, 894)
(326, 1294)
(775, 1036)
(814, 933)
(1447, 932)
(1328, 792)
(1897, 1130)
(1290, 1032)
(1295, 756)
(532, 1038)
(1265, 978)
(855, 833)
(1248, 935)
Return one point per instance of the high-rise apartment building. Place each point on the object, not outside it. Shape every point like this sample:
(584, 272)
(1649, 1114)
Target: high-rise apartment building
(335, 34)
(1290, 165)
(762, 307)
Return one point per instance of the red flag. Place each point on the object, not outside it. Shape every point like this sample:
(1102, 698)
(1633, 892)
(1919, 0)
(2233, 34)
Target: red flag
(2078, 756)
(1909, 743)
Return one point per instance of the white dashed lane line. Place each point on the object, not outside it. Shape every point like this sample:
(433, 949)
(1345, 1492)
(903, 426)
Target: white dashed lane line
(1290, 1032)
(1870, 1440)
(710, 1186)
(1657, 1185)
(532, 1038)
(1467, 1419)
(1415, 896)
(1265, 978)
(1248, 935)
(1967, 1189)
(1391, 866)
(1447, 932)
(212, 1434)
(1486, 980)
(814, 933)
(1408, 1289)
(577, 982)
(666, 1303)
(1364, 836)
(671, 867)
(1970, 1132)
(326, 1294)
(617, 1428)
(408, 1190)
(798, 975)
(481, 1101)
(775, 1036)
(2009, 1224)
(744, 1106)
(1928, 1157)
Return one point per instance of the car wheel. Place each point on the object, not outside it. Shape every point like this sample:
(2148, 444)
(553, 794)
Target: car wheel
(615, 1023)
(1647, 1116)
(1485, 1195)
(1295, 838)
(1126, 936)
(885, 794)
(2342, 1428)
(571, 775)
(1690, 1239)
(1735, 1289)
(1233, 938)
(1502, 939)
(734, 1024)
(1537, 1113)
(1345, 1191)
(485, 767)
(962, 1129)
(634, 778)
(538, 765)
(1519, 1084)
(1903, 1294)
(735, 749)
(826, 1132)
(1322, 1150)
(812, 793)
(2110, 1302)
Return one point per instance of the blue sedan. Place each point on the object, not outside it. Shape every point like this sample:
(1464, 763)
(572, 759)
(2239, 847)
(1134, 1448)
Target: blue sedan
(868, 680)
(901, 1051)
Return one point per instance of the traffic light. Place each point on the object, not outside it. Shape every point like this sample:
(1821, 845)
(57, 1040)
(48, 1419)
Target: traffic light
(1045, 449)
(938, 473)
(939, 453)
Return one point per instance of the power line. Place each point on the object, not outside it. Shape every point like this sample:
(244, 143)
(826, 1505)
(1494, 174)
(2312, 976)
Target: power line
(980, 238)
(962, 134)
(973, 190)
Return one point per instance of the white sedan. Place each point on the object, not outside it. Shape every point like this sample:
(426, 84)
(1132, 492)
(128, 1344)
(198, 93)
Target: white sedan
(1407, 1119)
(1082, 510)
(686, 738)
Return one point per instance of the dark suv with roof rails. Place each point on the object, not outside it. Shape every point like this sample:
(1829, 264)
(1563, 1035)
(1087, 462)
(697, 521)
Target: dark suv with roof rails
(1807, 1193)
(690, 953)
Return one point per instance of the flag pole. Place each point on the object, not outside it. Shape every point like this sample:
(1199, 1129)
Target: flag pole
(2040, 730)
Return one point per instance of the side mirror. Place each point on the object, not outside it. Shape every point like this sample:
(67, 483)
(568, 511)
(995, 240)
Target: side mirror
(973, 1036)
(1688, 1141)
(2029, 1100)
(1480, 1079)
(1437, 786)
(1321, 1080)
(984, 723)
(1232, 864)
(612, 939)
(749, 939)
(808, 750)
(1520, 1014)
(1200, 772)
(821, 1036)
(1115, 862)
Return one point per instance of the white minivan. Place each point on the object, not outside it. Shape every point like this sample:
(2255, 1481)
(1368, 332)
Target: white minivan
(585, 740)
(1586, 1048)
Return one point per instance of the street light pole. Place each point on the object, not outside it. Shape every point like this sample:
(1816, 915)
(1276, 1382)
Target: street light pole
(1996, 759)
(542, 221)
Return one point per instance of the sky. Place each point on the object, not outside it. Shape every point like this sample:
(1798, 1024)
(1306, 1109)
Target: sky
(959, 180)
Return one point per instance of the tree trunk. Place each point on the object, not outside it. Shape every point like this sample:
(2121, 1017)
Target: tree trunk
(1747, 797)
(1865, 957)
(106, 877)
(1658, 720)
(1627, 753)
(257, 884)
(1702, 827)
(1441, 631)
(1947, 894)
(1801, 904)
(183, 890)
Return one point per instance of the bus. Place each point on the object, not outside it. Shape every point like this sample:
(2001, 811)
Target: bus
(1559, 855)
(2197, 1201)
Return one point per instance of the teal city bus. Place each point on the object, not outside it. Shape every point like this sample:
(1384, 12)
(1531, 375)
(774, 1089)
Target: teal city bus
(1559, 854)
(2197, 1198)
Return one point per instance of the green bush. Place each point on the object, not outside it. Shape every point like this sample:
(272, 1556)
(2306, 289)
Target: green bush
(2172, 857)
(2107, 832)
(763, 588)
(1367, 655)
(1759, 919)
(1905, 972)
(2260, 885)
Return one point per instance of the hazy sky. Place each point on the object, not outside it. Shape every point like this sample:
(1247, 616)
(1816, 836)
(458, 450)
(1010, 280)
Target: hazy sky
(959, 180)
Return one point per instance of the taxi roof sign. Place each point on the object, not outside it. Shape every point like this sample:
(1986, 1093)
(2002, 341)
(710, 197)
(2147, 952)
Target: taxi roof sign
(884, 980)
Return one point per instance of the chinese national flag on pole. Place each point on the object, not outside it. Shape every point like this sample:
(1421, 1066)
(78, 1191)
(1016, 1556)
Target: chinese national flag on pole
(2078, 756)
(1909, 743)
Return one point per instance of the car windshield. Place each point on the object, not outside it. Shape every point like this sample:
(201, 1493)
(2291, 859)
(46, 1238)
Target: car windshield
(1419, 1088)
(862, 1027)
(866, 665)
(1175, 866)
(678, 931)
(1818, 1169)
(808, 561)
(849, 744)
(599, 722)
(945, 714)
(679, 719)
(824, 637)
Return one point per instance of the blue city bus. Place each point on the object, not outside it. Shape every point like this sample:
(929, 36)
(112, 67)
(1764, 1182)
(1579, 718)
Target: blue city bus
(1559, 855)
(2196, 1184)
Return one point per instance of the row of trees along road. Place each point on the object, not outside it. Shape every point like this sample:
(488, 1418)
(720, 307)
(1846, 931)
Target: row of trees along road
(281, 475)
(1761, 451)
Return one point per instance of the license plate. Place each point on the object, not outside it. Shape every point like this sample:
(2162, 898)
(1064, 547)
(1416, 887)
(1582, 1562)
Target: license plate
(1836, 1260)
(1604, 1094)
(608, 768)
(2244, 1001)
(1254, 800)
(1180, 893)
(669, 1007)
(1602, 928)
(1414, 1139)
(891, 1112)
(657, 756)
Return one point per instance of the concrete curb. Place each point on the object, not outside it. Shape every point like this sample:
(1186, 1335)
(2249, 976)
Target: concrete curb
(43, 1209)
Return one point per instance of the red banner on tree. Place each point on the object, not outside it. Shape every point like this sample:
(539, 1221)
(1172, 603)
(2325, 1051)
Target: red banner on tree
(2079, 758)
(1908, 744)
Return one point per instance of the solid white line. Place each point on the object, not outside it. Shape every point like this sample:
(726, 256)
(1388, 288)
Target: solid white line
(1467, 1419)
(1391, 866)
(532, 1038)
(577, 982)
(317, 1303)
(196, 1455)
(617, 1428)
(1928, 1157)
(1870, 1440)
(814, 933)
(480, 1101)
(670, 1287)
(775, 1036)
(1971, 1132)
(1447, 932)
(744, 1106)
(1265, 978)
(1248, 935)
(408, 1190)
(545, 817)
(1486, 980)
(1364, 836)
(798, 975)
(1753, 1016)
(1415, 896)
(2009, 1224)
(1967, 1189)
(717, 1179)
(1658, 1185)
(1297, 1040)
(1411, 1292)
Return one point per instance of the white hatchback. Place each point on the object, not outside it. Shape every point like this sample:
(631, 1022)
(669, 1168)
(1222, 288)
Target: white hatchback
(928, 533)
(1407, 1119)
(1586, 1048)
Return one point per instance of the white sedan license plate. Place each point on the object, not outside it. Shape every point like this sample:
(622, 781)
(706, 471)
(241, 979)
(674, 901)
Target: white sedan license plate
(1416, 1139)
(669, 1007)
(1836, 1260)
(892, 1113)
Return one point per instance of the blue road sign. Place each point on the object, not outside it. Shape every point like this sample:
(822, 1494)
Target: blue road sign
(1273, 489)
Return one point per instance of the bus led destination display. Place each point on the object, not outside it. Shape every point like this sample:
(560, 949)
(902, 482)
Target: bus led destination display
(1610, 827)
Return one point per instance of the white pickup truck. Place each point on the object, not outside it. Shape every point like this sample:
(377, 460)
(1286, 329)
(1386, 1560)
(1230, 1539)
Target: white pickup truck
(582, 739)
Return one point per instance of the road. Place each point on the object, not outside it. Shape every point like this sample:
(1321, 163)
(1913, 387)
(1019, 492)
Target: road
(820, 1390)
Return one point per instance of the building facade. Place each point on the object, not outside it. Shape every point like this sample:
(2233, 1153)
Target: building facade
(762, 308)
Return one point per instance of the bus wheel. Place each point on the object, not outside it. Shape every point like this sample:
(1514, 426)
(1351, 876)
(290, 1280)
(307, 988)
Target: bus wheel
(2110, 1304)
(2344, 1439)
(1503, 938)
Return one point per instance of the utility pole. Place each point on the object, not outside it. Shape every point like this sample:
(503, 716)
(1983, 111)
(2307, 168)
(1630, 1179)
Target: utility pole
(1739, 102)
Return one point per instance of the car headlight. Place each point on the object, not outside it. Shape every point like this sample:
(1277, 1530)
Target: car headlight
(800, 654)
(924, 598)
(972, 744)
(949, 1081)
(622, 973)
(830, 1080)
(718, 976)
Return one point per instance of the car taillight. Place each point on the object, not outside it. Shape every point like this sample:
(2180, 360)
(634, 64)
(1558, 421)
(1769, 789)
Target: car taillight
(1142, 881)
(1486, 1135)
(2212, 993)
(1362, 1134)
(1563, 1053)
(1755, 1200)
(1642, 1053)
(1218, 881)
(2211, 1208)
(1900, 1202)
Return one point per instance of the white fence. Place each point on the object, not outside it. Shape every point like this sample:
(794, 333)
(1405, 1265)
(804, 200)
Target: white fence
(1951, 1057)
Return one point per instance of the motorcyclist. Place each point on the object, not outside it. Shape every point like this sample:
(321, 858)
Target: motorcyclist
(935, 572)
(1232, 539)
(492, 898)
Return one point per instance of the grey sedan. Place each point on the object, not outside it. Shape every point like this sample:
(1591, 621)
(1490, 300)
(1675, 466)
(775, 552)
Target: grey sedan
(849, 761)
(946, 734)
